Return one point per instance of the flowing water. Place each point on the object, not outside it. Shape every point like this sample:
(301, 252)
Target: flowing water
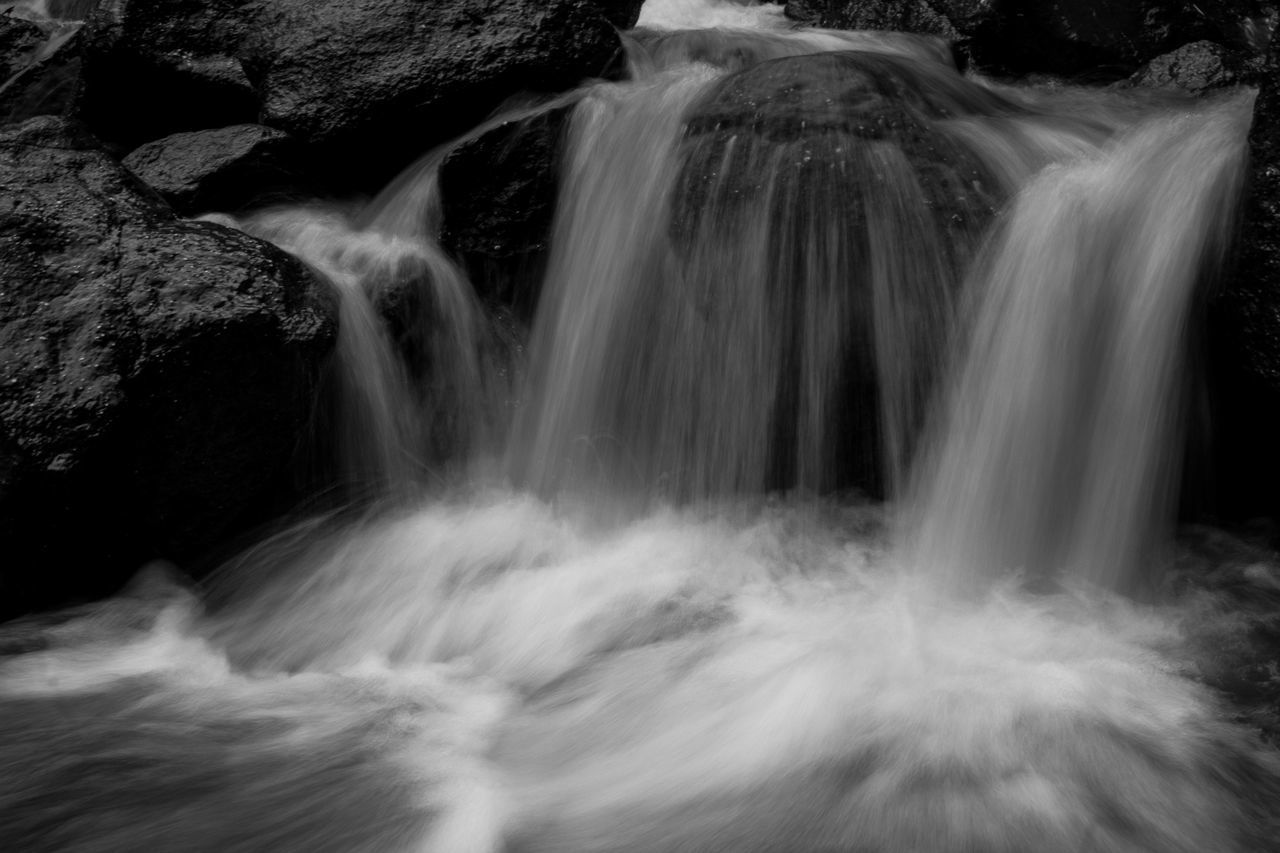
(849, 423)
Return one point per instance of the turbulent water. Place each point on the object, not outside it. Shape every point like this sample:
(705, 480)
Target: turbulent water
(592, 602)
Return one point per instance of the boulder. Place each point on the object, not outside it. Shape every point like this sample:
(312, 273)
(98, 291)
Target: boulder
(156, 373)
(156, 67)
(1196, 68)
(498, 194)
(908, 16)
(221, 170)
(785, 250)
(371, 83)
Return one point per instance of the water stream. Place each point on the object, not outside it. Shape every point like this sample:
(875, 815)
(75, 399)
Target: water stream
(831, 510)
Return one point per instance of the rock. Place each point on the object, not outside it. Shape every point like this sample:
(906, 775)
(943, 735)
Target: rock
(1244, 333)
(39, 68)
(156, 373)
(18, 41)
(907, 16)
(1196, 67)
(499, 192)
(220, 170)
(1109, 39)
(1230, 589)
(63, 10)
(156, 67)
(371, 83)
(1101, 39)
(780, 157)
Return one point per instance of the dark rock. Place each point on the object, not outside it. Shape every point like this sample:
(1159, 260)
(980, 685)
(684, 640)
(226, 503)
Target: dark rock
(371, 83)
(71, 10)
(1244, 332)
(156, 373)
(499, 192)
(796, 154)
(1109, 39)
(221, 170)
(156, 67)
(908, 16)
(1099, 39)
(18, 42)
(1195, 67)
(1230, 588)
(39, 68)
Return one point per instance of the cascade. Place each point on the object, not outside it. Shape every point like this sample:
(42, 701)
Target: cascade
(826, 507)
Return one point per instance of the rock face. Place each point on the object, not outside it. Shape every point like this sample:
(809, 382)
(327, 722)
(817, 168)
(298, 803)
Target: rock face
(156, 374)
(370, 82)
(220, 170)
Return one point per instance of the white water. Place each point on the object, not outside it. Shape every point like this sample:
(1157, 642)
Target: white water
(1073, 391)
(596, 668)
(690, 14)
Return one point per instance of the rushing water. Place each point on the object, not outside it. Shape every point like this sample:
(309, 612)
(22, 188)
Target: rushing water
(608, 609)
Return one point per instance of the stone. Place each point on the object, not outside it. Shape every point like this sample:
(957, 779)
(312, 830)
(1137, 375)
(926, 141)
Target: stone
(19, 39)
(371, 83)
(156, 67)
(498, 194)
(796, 151)
(1196, 68)
(908, 16)
(39, 67)
(155, 374)
(221, 170)
(1098, 40)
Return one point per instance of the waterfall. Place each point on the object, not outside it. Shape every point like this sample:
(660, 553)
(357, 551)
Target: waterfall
(830, 507)
(417, 366)
(1060, 448)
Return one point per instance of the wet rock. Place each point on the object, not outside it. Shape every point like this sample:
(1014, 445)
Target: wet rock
(18, 41)
(499, 193)
(156, 374)
(800, 152)
(221, 170)
(156, 67)
(39, 68)
(1196, 67)
(371, 83)
(1229, 586)
(908, 16)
